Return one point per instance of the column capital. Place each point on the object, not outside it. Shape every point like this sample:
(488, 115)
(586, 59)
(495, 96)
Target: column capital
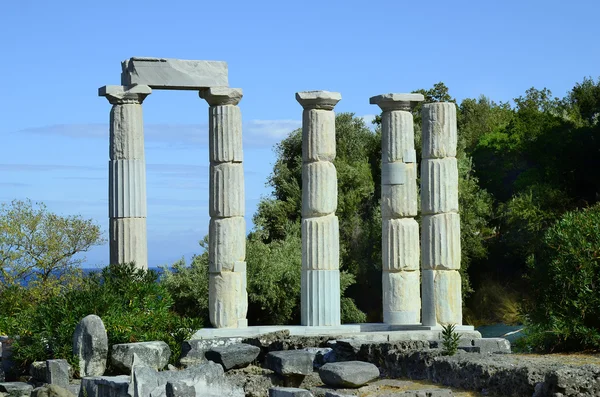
(121, 95)
(220, 96)
(393, 101)
(325, 100)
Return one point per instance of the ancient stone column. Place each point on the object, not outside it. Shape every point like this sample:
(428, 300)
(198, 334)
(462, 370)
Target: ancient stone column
(400, 231)
(228, 299)
(320, 290)
(440, 225)
(127, 175)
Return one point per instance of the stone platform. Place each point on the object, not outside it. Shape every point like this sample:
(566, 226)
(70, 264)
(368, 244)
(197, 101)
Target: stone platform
(368, 332)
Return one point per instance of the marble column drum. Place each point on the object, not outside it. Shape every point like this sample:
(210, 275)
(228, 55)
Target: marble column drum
(320, 289)
(228, 298)
(400, 231)
(127, 175)
(440, 224)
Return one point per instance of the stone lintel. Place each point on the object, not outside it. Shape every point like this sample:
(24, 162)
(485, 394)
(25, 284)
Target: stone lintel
(396, 101)
(219, 96)
(174, 74)
(118, 94)
(325, 100)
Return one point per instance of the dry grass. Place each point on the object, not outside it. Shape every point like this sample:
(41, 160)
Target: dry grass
(493, 303)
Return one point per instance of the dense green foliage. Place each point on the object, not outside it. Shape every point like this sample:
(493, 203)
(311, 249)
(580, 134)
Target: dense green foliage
(132, 304)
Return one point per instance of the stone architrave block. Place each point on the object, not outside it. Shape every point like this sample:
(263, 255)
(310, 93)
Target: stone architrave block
(442, 291)
(224, 298)
(398, 137)
(174, 74)
(225, 139)
(439, 186)
(128, 241)
(90, 346)
(227, 239)
(126, 132)
(401, 297)
(320, 298)
(57, 372)
(227, 197)
(439, 130)
(398, 201)
(318, 135)
(441, 241)
(127, 188)
(321, 243)
(154, 354)
(319, 189)
(400, 244)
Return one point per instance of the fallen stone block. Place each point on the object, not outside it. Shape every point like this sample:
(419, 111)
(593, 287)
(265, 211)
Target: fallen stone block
(90, 345)
(321, 355)
(16, 389)
(176, 389)
(348, 374)
(492, 345)
(290, 362)
(51, 391)
(152, 354)
(289, 392)
(37, 370)
(193, 352)
(105, 386)
(233, 356)
(57, 372)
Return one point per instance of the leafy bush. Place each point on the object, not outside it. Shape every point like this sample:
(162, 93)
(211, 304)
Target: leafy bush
(565, 275)
(132, 304)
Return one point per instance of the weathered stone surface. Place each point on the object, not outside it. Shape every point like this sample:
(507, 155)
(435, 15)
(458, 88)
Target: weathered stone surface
(224, 298)
(393, 173)
(128, 241)
(319, 189)
(492, 345)
(104, 386)
(152, 354)
(439, 186)
(122, 94)
(225, 134)
(16, 389)
(57, 372)
(174, 74)
(127, 188)
(397, 137)
(321, 243)
(289, 392)
(318, 99)
(401, 297)
(177, 389)
(90, 345)
(221, 96)
(227, 239)
(318, 135)
(37, 370)
(233, 356)
(227, 196)
(442, 293)
(320, 300)
(400, 244)
(441, 241)
(399, 201)
(439, 130)
(290, 362)
(348, 374)
(320, 355)
(51, 391)
(396, 101)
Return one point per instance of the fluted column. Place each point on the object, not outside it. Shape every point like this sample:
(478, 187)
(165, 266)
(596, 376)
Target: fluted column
(228, 299)
(127, 175)
(442, 303)
(400, 231)
(320, 290)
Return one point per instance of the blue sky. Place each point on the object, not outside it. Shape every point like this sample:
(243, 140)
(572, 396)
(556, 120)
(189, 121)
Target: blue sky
(55, 55)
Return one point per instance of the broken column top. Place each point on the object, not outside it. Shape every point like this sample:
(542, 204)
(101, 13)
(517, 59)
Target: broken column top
(174, 74)
(396, 101)
(318, 99)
